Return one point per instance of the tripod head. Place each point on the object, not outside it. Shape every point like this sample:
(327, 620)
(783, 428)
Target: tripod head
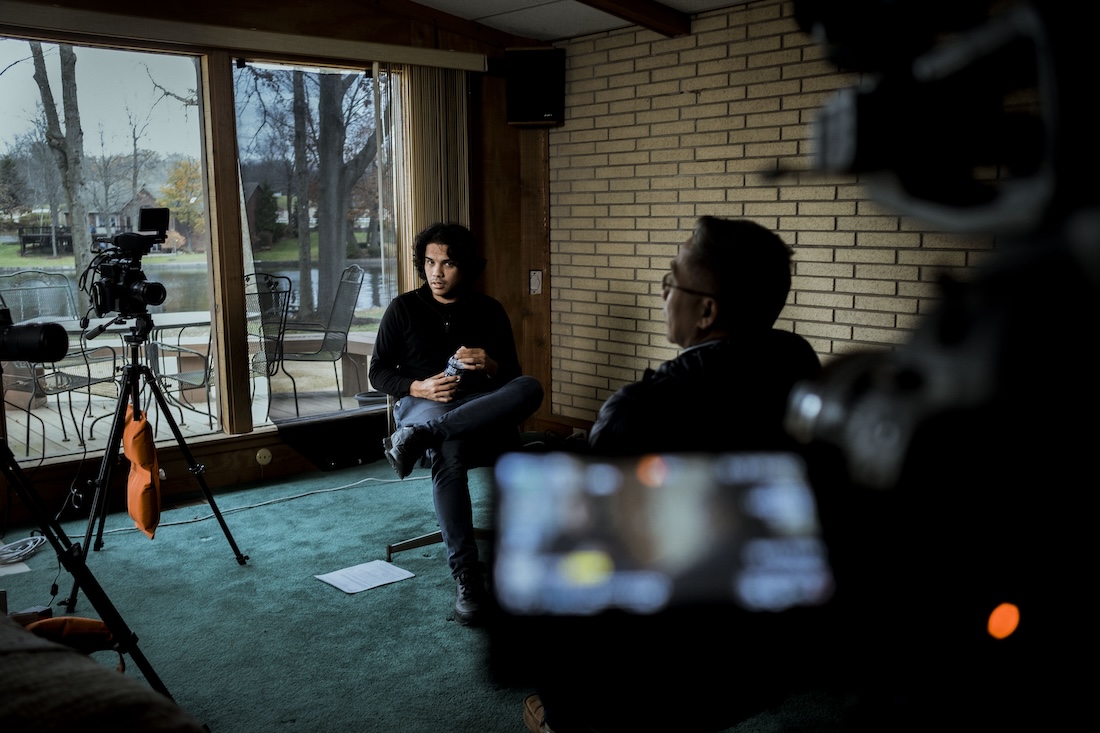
(139, 332)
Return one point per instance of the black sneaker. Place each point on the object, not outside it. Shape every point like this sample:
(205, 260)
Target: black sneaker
(405, 447)
(471, 599)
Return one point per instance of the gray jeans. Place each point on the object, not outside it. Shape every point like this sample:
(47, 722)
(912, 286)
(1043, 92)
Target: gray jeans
(470, 431)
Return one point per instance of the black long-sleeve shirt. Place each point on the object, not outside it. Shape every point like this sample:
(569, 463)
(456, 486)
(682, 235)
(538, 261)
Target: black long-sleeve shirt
(418, 334)
(725, 395)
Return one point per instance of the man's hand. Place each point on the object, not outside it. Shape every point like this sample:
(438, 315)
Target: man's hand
(439, 388)
(476, 360)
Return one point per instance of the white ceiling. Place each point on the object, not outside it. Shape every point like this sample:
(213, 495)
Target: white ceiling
(553, 20)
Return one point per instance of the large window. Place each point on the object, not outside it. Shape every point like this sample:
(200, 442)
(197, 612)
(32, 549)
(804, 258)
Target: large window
(89, 138)
(94, 135)
(304, 193)
(315, 153)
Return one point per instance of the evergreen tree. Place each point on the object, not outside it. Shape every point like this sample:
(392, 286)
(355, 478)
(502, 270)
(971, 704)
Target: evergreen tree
(13, 189)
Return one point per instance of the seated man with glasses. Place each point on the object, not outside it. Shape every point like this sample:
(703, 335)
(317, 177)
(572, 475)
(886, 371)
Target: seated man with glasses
(726, 391)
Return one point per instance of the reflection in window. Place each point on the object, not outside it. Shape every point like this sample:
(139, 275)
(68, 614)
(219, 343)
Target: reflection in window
(88, 138)
(315, 159)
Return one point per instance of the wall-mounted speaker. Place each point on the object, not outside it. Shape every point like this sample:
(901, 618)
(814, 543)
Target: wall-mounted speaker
(535, 86)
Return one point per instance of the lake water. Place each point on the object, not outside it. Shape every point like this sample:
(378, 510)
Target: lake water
(188, 289)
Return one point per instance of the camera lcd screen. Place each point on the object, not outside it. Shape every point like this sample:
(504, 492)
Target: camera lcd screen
(153, 220)
(578, 534)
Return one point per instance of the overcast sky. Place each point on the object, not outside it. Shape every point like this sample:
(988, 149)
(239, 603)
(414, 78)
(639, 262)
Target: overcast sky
(112, 85)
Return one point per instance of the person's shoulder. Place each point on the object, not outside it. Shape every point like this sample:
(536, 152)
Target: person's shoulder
(793, 346)
(787, 339)
(481, 298)
(484, 303)
(403, 307)
(416, 296)
(720, 352)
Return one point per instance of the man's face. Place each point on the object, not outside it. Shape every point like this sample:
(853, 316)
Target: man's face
(442, 272)
(686, 299)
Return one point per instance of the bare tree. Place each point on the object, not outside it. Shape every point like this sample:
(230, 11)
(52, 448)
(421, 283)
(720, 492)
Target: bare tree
(108, 174)
(342, 139)
(42, 175)
(301, 195)
(138, 157)
(337, 176)
(66, 145)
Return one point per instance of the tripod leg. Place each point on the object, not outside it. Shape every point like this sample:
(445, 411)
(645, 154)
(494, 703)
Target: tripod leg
(102, 484)
(197, 470)
(71, 557)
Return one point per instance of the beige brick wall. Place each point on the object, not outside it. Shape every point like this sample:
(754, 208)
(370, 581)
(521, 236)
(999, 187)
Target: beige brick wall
(659, 131)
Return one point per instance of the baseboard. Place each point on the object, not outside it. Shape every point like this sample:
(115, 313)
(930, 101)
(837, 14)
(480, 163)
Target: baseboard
(338, 441)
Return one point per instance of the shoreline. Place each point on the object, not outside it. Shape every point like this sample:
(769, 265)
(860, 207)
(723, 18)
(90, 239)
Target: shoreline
(153, 260)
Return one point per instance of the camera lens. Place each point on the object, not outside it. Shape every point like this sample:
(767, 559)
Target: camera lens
(148, 292)
(35, 342)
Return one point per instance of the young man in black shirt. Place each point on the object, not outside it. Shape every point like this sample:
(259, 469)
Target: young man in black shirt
(447, 354)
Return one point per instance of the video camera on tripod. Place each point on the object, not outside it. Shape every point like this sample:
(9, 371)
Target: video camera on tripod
(122, 286)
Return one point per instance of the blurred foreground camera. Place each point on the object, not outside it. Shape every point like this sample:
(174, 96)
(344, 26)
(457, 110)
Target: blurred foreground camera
(121, 285)
(954, 470)
(33, 342)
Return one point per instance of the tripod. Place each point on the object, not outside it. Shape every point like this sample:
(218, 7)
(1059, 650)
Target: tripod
(70, 556)
(129, 394)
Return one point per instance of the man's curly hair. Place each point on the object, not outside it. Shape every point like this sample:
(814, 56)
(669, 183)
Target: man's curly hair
(461, 247)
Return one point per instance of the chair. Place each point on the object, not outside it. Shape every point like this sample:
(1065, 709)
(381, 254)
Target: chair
(431, 538)
(334, 332)
(7, 431)
(266, 302)
(181, 369)
(34, 296)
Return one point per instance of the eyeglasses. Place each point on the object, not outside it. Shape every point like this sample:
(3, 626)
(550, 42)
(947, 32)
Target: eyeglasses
(667, 284)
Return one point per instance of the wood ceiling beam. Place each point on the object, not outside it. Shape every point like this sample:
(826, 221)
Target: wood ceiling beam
(647, 13)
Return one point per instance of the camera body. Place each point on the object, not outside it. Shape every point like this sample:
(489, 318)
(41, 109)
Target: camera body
(122, 286)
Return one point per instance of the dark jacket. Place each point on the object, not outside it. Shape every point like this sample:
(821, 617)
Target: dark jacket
(418, 334)
(725, 395)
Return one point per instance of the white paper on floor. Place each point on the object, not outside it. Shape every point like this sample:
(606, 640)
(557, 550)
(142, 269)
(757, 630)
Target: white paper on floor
(365, 576)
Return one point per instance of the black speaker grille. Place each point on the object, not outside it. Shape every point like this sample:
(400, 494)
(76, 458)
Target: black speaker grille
(535, 86)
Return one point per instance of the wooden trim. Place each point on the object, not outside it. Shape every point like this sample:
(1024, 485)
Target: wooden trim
(227, 258)
(52, 19)
(387, 22)
(227, 461)
(534, 170)
(649, 14)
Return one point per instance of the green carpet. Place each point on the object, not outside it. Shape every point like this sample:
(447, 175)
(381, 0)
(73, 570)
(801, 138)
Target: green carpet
(266, 646)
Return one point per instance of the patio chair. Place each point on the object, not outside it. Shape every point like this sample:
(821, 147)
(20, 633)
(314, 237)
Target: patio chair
(333, 333)
(181, 369)
(266, 302)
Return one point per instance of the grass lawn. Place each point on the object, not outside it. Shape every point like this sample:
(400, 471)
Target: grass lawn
(285, 250)
(10, 258)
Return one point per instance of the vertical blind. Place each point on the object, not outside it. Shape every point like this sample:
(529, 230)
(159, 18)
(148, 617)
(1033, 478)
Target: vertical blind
(433, 156)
